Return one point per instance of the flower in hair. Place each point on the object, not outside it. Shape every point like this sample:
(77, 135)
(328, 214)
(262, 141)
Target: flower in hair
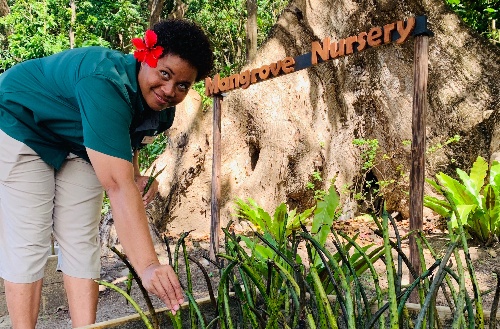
(146, 51)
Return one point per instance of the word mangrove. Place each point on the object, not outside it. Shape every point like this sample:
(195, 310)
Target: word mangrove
(376, 36)
(245, 78)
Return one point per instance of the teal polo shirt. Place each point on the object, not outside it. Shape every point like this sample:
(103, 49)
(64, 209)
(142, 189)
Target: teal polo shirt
(84, 97)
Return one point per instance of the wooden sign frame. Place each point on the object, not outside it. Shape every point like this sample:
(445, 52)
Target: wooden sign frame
(397, 32)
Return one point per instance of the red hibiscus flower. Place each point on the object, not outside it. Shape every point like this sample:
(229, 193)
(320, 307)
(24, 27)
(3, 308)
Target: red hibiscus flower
(146, 50)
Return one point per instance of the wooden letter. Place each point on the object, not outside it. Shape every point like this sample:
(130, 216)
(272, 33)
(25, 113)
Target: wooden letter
(288, 65)
(275, 68)
(361, 41)
(322, 51)
(349, 41)
(387, 32)
(253, 75)
(212, 87)
(374, 37)
(264, 72)
(337, 48)
(245, 79)
(224, 84)
(234, 81)
(405, 32)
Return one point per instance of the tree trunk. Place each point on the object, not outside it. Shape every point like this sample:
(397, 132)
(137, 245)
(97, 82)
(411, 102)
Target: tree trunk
(4, 11)
(179, 10)
(276, 133)
(4, 8)
(155, 8)
(251, 41)
(73, 19)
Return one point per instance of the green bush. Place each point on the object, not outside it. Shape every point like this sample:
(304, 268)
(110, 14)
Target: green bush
(472, 202)
(478, 14)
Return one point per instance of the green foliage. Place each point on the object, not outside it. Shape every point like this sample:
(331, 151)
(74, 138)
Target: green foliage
(272, 266)
(369, 148)
(478, 14)
(284, 224)
(369, 188)
(281, 225)
(472, 202)
(152, 176)
(41, 28)
(149, 153)
(278, 291)
(224, 21)
(325, 213)
(110, 23)
(129, 299)
(282, 228)
(36, 31)
(106, 205)
(319, 194)
(439, 146)
(206, 102)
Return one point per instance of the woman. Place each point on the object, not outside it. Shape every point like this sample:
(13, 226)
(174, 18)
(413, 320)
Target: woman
(71, 125)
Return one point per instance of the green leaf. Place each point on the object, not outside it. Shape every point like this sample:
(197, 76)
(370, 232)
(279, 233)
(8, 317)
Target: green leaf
(457, 190)
(294, 221)
(494, 178)
(325, 214)
(441, 207)
(253, 213)
(478, 174)
(463, 212)
(489, 201)
(279, 223)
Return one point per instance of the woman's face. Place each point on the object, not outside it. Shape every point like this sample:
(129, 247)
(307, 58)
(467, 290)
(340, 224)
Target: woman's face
(168, 83)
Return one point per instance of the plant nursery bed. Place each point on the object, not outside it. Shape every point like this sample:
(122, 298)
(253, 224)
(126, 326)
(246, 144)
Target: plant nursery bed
(114, 312)
(135, 322)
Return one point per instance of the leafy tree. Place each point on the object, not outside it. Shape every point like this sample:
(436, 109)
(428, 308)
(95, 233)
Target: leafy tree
(36, 31)
(224, 21)
(40, 28)
(478, 14)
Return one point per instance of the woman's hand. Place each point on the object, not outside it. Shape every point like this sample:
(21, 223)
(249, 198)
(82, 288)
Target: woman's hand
(142, 182)
(162, 281)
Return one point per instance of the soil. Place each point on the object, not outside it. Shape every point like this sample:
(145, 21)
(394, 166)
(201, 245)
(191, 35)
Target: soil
(112, 305)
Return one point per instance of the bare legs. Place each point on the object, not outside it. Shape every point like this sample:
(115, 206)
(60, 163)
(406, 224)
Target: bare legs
(23, 301)
(82, 300)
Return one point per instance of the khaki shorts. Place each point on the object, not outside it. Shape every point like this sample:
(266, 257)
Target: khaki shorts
(36, 200)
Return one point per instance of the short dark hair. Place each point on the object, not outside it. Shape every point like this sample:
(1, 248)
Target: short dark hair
(187, 40)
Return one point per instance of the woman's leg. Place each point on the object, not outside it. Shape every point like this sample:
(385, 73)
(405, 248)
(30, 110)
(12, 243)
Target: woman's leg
(82, 300)
(26, 204)
(23, 303)
(78, 202)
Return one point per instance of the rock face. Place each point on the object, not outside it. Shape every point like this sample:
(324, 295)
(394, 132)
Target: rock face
(277, 133)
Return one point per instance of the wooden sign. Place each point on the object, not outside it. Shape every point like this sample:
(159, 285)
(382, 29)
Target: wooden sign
(398, 32)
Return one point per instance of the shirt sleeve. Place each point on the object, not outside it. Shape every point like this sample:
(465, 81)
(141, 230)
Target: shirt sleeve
(106, 116)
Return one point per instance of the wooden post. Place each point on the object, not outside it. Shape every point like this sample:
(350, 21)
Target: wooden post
(215, 195)
(417, 174)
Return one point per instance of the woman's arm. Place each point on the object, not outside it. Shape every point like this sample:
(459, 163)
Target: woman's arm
(118, 179)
